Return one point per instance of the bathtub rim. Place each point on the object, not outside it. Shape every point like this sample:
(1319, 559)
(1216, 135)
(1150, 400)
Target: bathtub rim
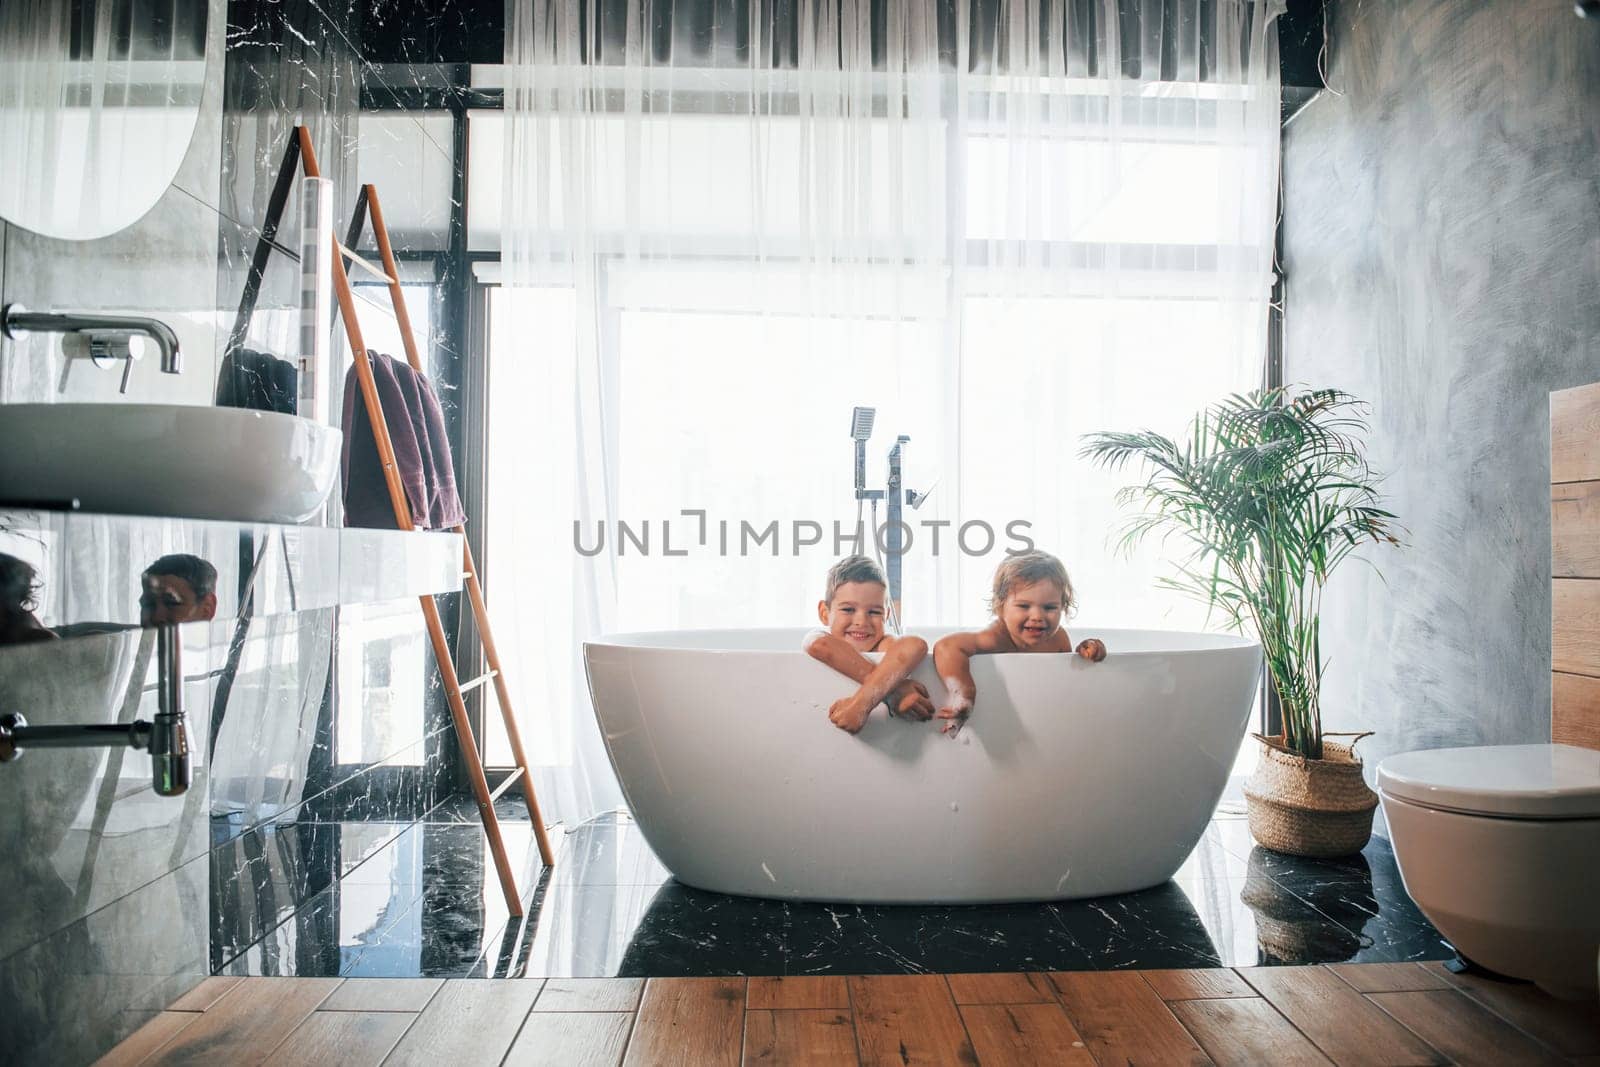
(673, 640)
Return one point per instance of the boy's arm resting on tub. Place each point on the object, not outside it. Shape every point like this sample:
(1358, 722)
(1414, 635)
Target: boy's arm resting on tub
(830, 650)
(887, 681)
(900, 657)
(890, 680)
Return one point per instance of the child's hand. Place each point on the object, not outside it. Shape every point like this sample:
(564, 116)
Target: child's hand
(848, 715)
(910, 700)
(957, 706)
(1092, 649)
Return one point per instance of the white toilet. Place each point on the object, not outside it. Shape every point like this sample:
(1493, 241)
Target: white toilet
(1500, 848)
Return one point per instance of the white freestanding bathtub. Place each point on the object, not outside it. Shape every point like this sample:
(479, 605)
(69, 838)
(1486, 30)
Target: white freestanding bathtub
(1071, 779)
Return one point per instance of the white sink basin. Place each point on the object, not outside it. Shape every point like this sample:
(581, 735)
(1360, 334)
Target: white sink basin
(167, 459)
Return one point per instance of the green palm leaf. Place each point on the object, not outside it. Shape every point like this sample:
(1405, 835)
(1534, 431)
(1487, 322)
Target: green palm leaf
(1269, 492)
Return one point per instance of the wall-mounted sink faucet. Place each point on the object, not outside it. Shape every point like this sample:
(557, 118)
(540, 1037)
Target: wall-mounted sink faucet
(166, 738)
(102, 338)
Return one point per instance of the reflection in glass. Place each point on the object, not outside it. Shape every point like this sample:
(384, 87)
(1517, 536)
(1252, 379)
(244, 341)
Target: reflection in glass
(382, 692)
(19, 600)
(177, 588)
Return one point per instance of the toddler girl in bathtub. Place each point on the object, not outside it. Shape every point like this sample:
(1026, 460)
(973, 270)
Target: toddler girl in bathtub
(852, 610)
(1032, 594)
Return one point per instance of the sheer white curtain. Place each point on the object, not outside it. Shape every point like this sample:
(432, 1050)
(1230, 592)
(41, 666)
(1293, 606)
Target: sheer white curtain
(1001, 224)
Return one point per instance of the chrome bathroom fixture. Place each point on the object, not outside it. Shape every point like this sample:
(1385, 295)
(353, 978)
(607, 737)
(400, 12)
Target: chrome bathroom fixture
(861, 420)
(166, 739)
(895, 498)
(102, 338)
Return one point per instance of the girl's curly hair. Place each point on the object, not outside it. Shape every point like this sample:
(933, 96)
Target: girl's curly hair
(1025, 568)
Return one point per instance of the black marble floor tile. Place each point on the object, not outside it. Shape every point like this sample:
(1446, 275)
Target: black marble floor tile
(305, 945)
(1401, 939)
(1283, 928)
(441, 932)
(613, 853)
(423, 900)
(382, 931)
(511, 806)
(879, 939)
(581, 932)
(1150, 929)
(685, 932)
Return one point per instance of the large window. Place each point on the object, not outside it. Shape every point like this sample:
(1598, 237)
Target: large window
(991, 324)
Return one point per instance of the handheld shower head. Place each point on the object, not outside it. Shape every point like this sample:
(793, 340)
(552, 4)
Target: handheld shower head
(860, 430)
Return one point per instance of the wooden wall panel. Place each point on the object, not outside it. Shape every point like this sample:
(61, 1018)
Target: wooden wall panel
(1575, 530)
(1575, 434)
(1575, 643)
(1575, 566)
(1575, 710)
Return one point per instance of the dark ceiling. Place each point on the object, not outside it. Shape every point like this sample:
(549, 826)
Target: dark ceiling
(473, 31)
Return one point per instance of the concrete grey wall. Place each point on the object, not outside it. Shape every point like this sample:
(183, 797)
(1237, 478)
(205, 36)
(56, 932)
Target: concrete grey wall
(1442, 258)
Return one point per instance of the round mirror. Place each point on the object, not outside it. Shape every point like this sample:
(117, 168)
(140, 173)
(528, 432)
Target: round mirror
(98, 102)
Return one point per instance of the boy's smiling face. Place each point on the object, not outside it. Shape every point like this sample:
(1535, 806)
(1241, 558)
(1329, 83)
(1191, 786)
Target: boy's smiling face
(1031, 614)
(856, 614)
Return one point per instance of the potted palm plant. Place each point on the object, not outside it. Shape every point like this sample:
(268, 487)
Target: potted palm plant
(1270, 491)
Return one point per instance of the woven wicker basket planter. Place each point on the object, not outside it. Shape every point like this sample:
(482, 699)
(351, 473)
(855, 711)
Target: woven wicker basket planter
(1307, 807)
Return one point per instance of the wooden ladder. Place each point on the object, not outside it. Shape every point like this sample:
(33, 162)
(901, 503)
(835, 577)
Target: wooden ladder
(454, 689)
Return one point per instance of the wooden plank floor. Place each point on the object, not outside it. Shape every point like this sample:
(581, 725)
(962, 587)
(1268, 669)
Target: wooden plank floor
(1343, 1014)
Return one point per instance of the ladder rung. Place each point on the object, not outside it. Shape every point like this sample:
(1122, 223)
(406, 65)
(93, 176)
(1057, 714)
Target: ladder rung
(511, 779)
(479, 680)
(371, 268)
(466, 576)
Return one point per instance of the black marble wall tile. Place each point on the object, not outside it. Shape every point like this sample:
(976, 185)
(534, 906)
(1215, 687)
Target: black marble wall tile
(353, 777)
(317, 702)
(448, 31)
(287, 66)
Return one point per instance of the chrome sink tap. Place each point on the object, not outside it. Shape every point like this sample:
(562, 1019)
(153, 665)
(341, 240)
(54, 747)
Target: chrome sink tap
(166, 737)
(103, 338)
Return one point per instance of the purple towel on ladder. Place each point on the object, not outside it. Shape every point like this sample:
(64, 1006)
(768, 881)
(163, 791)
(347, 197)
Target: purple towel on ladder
(427, 415)
(421, 451)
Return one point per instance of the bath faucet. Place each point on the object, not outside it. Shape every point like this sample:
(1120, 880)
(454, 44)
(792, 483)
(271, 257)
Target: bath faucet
(894, 495)
(166, 738)
(105, 338)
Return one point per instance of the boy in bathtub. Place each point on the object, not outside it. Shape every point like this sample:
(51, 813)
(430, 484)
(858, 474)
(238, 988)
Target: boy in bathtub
(1032, 594)
(852, 610)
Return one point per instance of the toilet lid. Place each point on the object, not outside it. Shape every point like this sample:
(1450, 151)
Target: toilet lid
(1520, 781)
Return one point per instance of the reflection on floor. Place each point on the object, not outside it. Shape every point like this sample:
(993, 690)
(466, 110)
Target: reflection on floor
(413, 900)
